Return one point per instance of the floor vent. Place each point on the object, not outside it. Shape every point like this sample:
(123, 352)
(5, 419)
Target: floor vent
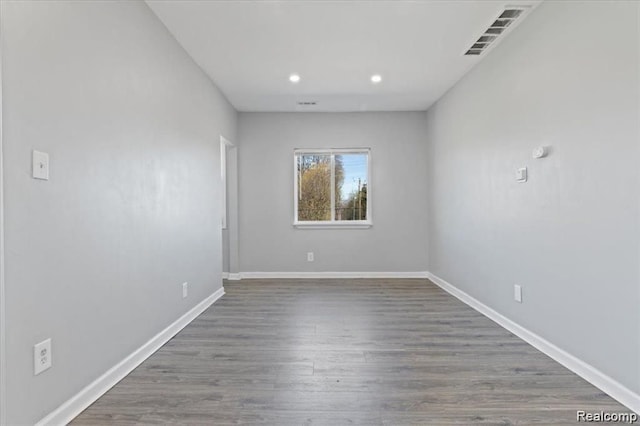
(507, 20)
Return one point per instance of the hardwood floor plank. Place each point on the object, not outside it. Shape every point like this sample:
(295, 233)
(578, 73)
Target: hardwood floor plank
(332, 352)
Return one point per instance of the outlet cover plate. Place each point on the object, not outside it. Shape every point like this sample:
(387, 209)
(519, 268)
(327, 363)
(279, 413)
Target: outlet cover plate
(41, 356)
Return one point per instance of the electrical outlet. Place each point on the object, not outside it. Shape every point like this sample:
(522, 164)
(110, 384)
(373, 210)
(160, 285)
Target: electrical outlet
(517, 293)
(310, 256)
(41, 356)
(185, 290)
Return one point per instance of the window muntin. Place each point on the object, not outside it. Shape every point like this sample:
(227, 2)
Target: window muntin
(332, 187)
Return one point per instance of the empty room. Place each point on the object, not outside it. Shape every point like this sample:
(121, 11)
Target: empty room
(319, 212)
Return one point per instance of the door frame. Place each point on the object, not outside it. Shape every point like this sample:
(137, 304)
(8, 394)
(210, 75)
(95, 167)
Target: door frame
(229, 197)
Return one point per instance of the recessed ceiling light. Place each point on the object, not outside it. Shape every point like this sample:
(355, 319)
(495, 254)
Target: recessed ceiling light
(376, 78)
(294, 78)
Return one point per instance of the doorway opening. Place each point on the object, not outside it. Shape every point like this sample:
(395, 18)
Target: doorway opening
(229, 204)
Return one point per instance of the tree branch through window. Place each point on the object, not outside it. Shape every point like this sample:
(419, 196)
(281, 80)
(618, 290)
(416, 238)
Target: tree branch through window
(332, 186)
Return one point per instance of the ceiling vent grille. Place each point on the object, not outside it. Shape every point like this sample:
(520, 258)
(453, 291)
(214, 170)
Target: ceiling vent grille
(504, 23)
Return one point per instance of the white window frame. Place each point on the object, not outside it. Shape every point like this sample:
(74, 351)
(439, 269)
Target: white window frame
(324, 224)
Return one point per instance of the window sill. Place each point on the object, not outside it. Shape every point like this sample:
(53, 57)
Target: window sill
(332, 225)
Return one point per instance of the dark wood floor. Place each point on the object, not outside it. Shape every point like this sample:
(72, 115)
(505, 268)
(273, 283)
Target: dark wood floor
(298, 352)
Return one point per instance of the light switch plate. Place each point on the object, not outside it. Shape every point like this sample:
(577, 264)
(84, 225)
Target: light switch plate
(40, 165)
(521, 174)
(517, 293)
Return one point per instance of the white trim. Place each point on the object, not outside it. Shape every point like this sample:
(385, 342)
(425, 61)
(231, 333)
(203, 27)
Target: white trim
(588, 372)
(325, 224)
(231, 276)
(332, 185)
(296, 185)
(330, 150)
(321, 275)
(369, 192)
(87, 396)
(225, 145)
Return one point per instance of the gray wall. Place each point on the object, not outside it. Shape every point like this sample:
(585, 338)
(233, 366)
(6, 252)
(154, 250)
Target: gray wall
(95, 256)
(269, 242)
(568, 77)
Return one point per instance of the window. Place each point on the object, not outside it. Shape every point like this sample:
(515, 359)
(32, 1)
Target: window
(332, 187)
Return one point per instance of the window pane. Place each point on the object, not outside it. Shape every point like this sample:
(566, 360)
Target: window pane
(314, 187)
(351, 186)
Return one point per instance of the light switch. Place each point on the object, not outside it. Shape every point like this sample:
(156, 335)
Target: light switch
(517, 293)
(521, 174)
(40, 165)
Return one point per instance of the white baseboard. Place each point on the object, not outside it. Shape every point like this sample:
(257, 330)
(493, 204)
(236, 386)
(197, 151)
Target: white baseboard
(231, 276)
(591, 374)
(87, 396)
(319, 275)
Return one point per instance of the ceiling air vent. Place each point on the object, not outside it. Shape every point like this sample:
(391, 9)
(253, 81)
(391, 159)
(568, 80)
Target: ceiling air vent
(507, 20)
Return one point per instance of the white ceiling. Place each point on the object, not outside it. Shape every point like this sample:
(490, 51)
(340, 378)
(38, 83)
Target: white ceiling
(249, 49)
